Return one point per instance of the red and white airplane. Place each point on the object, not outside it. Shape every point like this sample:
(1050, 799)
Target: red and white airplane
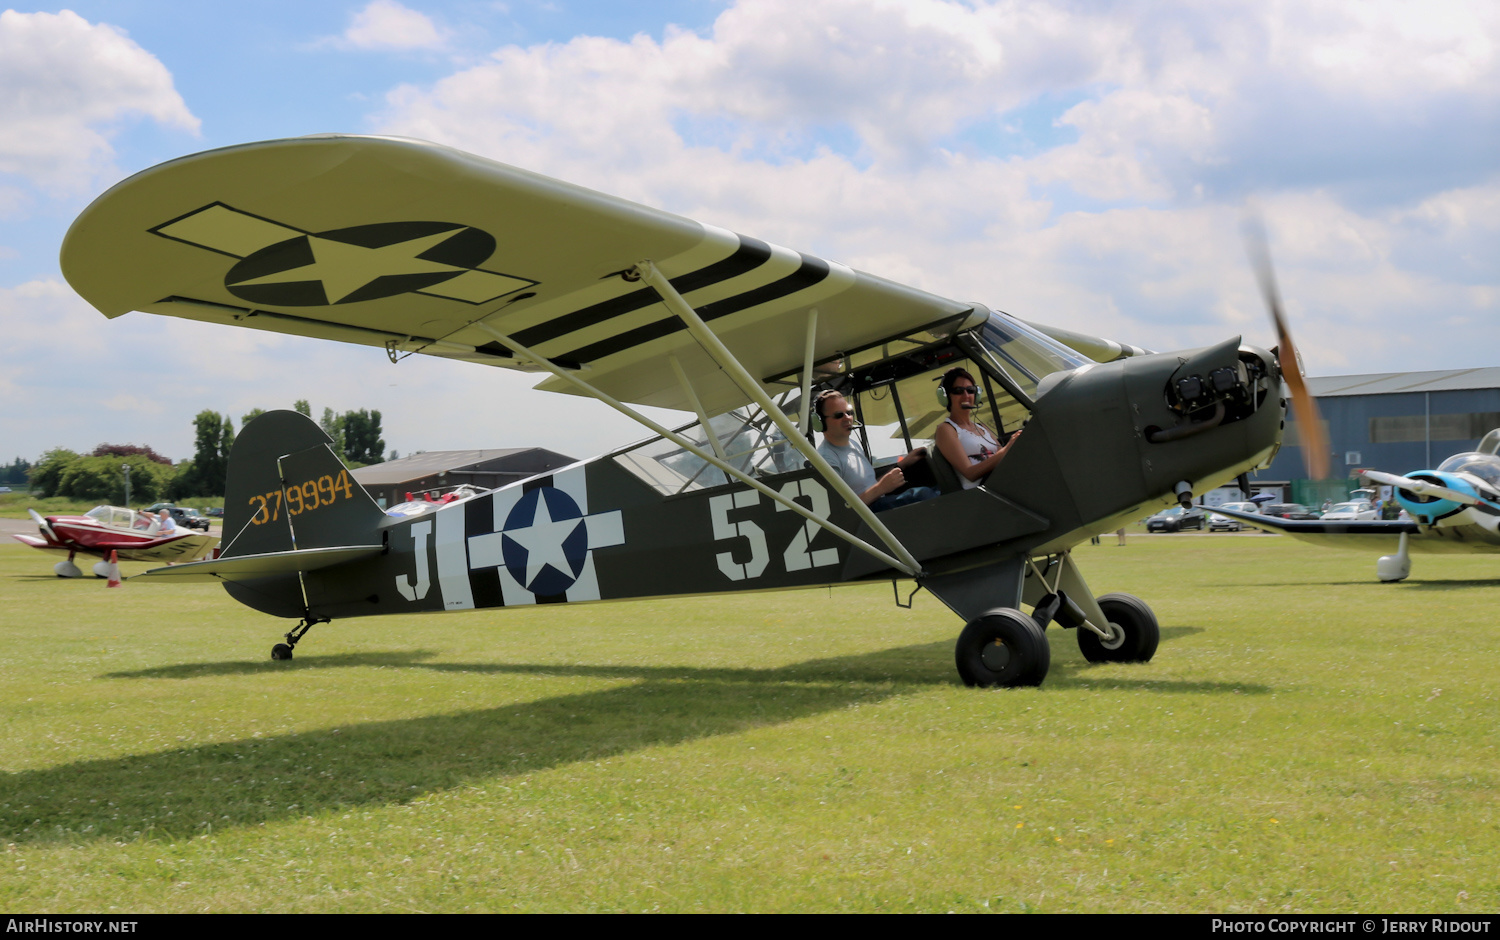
(132, 535)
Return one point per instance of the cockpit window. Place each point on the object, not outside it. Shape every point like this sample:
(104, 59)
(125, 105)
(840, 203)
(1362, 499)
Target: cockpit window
(1484, 466)
(750, 441)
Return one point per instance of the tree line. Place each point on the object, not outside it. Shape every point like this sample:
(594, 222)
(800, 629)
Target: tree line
(100, 475)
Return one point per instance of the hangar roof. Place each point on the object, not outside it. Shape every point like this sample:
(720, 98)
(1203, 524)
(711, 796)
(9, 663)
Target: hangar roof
(429, 463)
(1393, 383)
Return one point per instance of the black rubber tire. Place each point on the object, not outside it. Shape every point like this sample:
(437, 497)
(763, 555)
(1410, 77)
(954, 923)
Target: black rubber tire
(1142, 634)
(281, 651)
(1002, 647)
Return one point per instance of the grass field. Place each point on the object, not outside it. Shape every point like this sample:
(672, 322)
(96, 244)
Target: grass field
(1306, 740)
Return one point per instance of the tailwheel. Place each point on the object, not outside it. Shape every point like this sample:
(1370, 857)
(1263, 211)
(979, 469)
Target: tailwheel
(1134, 633)
(1002, 647)
(284, 650)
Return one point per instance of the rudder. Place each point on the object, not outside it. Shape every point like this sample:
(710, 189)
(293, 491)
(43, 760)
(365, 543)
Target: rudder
(287, 489)
(276, 453)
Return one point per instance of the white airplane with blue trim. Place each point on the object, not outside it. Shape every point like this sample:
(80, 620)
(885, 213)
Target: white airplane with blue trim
(1454, 509)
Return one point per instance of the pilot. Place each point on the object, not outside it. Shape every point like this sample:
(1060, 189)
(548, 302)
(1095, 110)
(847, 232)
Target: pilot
(837, 421)
(971, 448)
(167, 526)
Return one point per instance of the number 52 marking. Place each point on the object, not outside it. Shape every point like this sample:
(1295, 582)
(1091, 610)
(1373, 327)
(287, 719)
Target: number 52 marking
(798, 556)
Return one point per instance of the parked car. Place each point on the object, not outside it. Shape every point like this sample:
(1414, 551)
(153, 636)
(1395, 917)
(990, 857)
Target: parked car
(1288, 511)
(189, 517)
(158, 507)
(1355, 509)
(1217, 522)
(214, 512)
(1176, 519)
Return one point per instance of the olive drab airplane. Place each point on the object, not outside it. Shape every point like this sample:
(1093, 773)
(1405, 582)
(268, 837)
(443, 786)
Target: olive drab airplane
(416, 248)
(1454, 510)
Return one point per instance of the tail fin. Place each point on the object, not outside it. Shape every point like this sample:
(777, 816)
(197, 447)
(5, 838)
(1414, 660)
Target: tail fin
(287, 490)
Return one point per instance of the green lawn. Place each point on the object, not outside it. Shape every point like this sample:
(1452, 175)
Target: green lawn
(1306, 740)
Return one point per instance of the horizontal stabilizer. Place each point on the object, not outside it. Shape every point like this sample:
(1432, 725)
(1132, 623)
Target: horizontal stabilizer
(248, 567)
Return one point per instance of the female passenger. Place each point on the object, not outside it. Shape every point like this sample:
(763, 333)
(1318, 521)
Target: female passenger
(971, 448)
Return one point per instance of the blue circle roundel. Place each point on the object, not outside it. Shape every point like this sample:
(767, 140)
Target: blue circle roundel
(545, 541)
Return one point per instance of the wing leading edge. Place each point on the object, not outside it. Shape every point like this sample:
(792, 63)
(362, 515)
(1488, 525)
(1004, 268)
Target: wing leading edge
(408, 245)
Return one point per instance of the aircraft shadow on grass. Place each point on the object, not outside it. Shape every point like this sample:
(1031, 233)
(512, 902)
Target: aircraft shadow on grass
(242, 783)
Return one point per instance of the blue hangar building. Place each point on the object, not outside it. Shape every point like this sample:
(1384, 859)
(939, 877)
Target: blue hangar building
(1392, 421)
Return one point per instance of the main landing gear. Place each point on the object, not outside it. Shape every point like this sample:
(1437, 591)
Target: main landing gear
(66, 569)
(1004, 647)
(284, 650)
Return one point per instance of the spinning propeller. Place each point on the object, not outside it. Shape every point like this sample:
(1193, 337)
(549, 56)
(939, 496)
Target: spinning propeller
(1422, 487)
(1314, 439)
(45, 527)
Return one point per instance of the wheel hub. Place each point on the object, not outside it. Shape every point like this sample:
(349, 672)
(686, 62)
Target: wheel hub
(996, 656)
(1116, 638)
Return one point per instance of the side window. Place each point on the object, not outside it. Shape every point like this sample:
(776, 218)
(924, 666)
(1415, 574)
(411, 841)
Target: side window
(906, 412)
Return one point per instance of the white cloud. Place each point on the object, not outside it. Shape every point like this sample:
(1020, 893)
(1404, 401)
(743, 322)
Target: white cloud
(385, 25)
(867, 131)
(875, 133)
(65, 86)
(142, 378)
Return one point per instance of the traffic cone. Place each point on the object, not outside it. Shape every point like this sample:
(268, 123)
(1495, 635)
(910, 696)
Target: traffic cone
(114, 570)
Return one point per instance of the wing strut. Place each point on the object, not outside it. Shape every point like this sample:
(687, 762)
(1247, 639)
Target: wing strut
(720, 353)
(909, 565)
(692, 396)
(807, 367)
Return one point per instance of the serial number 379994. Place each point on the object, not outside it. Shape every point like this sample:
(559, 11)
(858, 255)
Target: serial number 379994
(314, 494)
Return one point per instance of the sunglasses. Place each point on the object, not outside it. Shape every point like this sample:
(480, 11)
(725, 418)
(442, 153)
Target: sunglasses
(964, 390)
(835, 415)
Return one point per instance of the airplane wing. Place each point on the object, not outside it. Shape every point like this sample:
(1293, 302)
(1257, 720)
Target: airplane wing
(1364, 535)
(1096, 348)
(42, 544)
(406, 245)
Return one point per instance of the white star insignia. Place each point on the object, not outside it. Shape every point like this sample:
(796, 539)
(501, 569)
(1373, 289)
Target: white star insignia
(345, 268)
(543, 541)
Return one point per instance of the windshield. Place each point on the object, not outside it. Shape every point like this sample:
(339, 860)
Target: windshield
(1484, 466)
(1025, 354)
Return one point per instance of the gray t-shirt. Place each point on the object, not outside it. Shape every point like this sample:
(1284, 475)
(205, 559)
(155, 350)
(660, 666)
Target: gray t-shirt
(850, 463)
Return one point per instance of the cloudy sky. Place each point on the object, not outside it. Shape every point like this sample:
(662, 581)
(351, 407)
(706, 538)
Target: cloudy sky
(1085, 164)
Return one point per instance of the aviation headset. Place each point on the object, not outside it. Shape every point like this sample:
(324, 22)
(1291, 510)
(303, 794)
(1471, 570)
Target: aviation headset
(945, 386)
(819, 423)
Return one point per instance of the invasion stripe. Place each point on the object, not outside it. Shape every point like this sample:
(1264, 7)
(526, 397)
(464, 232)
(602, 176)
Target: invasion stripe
(812, 271)
(751, 254)
(484, 583)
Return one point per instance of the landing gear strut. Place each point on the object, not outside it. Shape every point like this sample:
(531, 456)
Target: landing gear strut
(284, 650)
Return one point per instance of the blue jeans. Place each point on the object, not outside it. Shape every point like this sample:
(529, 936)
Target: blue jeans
(905, 498)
